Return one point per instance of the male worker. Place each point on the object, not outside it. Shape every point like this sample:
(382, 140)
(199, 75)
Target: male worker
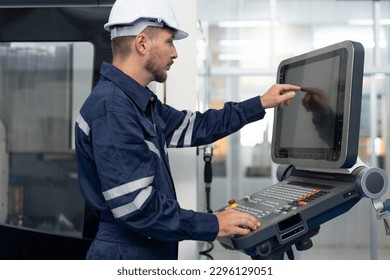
(122, 136)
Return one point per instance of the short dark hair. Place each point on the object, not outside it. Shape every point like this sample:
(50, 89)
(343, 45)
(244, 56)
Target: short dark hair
(121, 45)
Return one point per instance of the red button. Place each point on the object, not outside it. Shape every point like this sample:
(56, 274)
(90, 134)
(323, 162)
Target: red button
(231, 201)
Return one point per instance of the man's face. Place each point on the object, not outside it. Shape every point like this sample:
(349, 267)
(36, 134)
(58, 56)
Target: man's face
(162, 54)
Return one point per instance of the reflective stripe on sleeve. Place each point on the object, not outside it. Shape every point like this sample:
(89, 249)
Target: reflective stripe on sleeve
(188, 136)
(188, 123)
(128, 188)
(83, 125)
(134, 205)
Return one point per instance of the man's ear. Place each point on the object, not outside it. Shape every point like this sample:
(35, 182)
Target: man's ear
(142, 43)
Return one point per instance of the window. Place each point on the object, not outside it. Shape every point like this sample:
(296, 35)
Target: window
(246, 40)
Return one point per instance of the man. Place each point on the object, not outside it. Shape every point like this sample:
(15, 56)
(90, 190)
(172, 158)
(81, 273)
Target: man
(123, 132)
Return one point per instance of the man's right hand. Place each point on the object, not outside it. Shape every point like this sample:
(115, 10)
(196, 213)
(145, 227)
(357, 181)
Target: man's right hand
(233, 222)
(278, 95)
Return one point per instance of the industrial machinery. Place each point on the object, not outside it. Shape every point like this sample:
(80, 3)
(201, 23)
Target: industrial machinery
(50, 56)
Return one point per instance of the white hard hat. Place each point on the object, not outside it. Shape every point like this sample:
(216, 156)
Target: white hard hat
(130, 17)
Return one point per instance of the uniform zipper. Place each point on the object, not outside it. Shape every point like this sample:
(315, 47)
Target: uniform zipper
(152, 112)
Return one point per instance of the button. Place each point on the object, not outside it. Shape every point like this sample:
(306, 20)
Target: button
(234, 205)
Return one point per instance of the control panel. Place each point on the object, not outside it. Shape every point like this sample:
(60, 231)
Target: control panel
(292, 211)
(278, 199)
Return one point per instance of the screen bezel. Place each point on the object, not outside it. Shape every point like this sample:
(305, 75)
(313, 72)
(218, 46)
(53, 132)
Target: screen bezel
(344, 152)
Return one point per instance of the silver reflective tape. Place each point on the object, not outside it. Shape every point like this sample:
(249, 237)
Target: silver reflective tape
(153, 148)
(128, 188)
(83, 125)
(179, 131)
(188, 136)
(133, 206)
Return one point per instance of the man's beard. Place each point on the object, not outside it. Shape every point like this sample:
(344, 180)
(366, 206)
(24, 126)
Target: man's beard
(159, 75)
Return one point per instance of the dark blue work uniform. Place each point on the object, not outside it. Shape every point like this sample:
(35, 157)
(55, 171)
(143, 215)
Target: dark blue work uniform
(122, 135)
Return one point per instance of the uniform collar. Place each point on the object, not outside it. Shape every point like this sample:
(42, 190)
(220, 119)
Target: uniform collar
(139, 94)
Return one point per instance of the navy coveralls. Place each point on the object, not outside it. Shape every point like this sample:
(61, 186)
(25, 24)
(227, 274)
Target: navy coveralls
(122, 135)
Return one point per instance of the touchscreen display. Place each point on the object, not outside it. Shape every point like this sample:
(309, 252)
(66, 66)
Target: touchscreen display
(310, 127)
(320, 127)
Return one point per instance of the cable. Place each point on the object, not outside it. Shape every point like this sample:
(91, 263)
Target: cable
(208, 178)
(208, 174)
(208, 250)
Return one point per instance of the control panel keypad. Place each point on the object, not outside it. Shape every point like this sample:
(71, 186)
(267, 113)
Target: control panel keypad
(278, 199)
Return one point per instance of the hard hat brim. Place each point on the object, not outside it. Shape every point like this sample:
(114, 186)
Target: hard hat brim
(133, 29)
(180, 34)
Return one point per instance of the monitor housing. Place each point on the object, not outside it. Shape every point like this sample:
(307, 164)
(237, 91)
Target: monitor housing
(320, 127)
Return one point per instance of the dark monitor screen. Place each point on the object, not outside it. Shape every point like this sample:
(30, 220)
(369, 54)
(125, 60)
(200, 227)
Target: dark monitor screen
(320, 127)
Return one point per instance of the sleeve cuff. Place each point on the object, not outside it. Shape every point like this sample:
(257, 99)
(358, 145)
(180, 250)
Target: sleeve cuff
(206, 227)
(253, 109)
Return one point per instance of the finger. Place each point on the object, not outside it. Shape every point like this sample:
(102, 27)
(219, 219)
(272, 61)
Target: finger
(242, 231)
(288, 102)
(254, 225)
(285, 103)
(288, 94)
(288, 87)
(250, 222)
(281, 105)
